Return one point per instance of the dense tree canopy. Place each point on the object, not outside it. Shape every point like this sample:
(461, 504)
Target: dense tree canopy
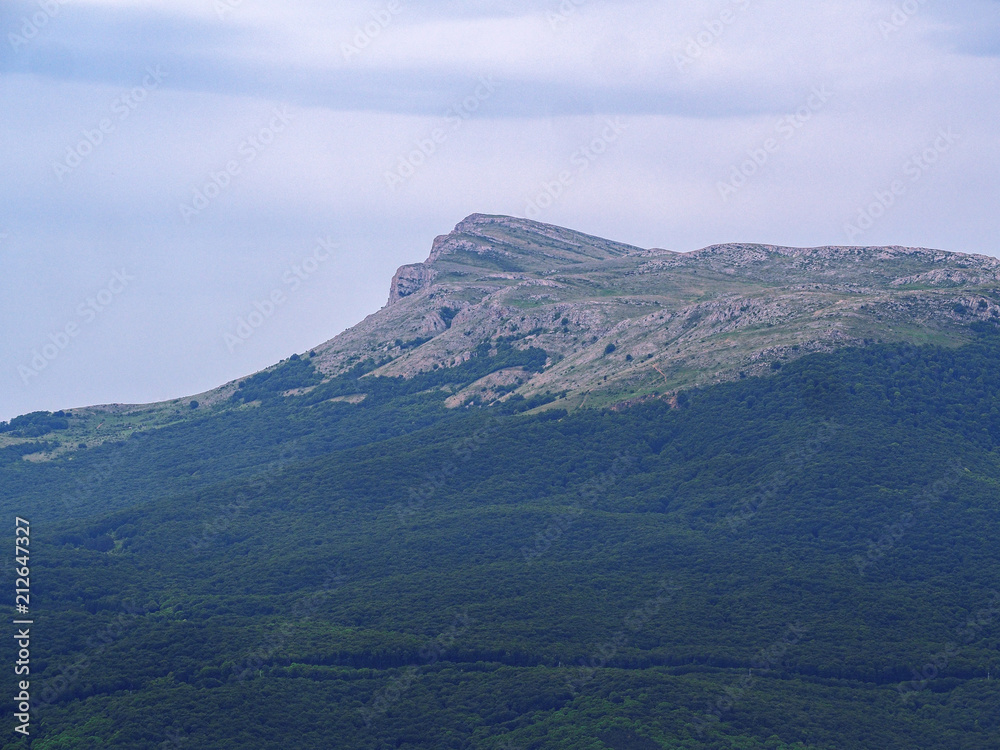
(806, 560)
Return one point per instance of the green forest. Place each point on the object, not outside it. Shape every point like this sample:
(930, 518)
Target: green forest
(805, 561)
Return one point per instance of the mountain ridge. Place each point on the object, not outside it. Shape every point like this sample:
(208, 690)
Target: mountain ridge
(495, 273)
(622, 323)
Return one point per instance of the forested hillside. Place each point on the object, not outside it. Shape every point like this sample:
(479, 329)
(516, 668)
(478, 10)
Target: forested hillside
(803, 560)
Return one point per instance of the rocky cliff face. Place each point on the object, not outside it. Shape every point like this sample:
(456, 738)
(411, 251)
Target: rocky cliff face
(409, 280)
(621, 322)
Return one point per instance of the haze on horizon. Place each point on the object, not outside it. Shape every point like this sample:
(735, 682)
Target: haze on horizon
(171, 165)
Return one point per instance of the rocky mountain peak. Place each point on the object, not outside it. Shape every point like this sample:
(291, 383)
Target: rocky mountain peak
(620, 322)
(482, 243)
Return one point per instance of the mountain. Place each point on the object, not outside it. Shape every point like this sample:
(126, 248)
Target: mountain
(620, 323)
(674, 319)
(444, 529)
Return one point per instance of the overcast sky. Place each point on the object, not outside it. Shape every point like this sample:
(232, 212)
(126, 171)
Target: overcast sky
(169, 164)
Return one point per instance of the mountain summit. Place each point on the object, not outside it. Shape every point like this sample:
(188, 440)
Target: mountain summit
(621, 322)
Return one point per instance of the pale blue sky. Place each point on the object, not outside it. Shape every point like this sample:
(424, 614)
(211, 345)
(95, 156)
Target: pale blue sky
(293, 123)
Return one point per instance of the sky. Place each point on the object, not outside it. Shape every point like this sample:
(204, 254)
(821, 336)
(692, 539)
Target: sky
(169, 167)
